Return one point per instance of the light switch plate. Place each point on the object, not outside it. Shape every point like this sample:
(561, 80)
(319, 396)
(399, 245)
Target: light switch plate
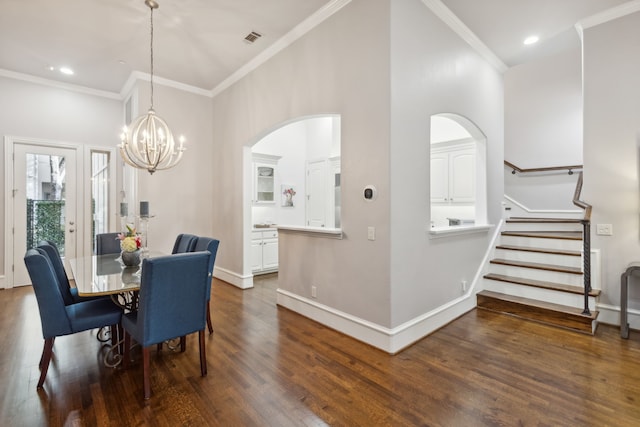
(371, 233)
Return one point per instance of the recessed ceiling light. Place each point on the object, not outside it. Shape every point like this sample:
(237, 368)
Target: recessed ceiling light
(66, 70)
(531, 40)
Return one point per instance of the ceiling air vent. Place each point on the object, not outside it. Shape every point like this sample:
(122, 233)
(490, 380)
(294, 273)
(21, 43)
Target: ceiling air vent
(252, 37)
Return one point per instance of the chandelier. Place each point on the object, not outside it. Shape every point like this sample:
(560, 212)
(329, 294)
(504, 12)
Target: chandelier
(148, 142)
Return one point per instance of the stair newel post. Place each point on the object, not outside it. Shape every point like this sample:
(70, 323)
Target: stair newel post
(586, 256)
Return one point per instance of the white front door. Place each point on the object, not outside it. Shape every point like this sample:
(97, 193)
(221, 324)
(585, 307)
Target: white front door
(43, 203)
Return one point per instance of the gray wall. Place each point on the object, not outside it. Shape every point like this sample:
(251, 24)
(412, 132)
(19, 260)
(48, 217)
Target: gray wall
(385, 89)
(342, 67)
(434, 71)
(611, 126)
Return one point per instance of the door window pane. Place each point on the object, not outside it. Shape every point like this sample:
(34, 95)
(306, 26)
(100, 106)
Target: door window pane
(99, 193)
(45, 193)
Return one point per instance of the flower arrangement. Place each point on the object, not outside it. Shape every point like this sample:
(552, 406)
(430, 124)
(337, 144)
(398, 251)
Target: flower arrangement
(288, 193)
(130, 241)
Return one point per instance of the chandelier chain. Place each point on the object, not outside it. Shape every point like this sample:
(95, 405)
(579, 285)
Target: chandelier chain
(151, 7)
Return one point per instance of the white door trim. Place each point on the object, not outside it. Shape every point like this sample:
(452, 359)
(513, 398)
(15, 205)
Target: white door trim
(9, 150)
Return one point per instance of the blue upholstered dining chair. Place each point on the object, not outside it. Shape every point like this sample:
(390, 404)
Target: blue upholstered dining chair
(69, 294)
(211, 245)
(166, 311)
(107, 243)
(184, 243)
(58, 319)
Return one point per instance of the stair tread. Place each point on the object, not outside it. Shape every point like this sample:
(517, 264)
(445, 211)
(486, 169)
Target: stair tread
(542, 284)
(523, 219)
(537, 266)
(540, 250)
(565, 309)
(565, 235)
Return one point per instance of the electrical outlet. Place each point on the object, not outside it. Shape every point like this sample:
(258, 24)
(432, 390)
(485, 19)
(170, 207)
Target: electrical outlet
(314, 292)
(604, 230)
(463, 284)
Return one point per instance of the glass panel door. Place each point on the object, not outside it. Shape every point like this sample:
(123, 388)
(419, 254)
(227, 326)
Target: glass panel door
(44, 202)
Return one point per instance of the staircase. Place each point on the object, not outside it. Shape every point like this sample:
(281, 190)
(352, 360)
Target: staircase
(537, 274)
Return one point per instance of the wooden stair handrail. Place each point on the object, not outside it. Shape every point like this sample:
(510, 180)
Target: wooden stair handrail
(517, 169)
(581, 203)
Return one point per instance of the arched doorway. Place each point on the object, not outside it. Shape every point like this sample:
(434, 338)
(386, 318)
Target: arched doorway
(292, 178)
(458, 172)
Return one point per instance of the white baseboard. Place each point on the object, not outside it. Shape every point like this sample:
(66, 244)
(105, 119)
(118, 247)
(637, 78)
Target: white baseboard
(390, 340)
(237, 280)
(610, 315)
(2, 285)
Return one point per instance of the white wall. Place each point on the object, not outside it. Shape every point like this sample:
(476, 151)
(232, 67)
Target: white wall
(43, 112)
(611, 141)
(434, 71)
(543, 112)
(543, 128)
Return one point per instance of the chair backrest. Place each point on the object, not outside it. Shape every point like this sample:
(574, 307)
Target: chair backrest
(211, 245)
(168, 311)
(58, 267)
(107, 243)
(53, 315)
(184, 243)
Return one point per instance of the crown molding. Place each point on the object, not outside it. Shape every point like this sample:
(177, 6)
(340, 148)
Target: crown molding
(298, 31)
(449, 18)
(59, 85)
(139, 75)
(608, 15)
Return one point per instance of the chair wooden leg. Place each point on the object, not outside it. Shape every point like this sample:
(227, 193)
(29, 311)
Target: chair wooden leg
(145, 373)
(53, 340)
(126, 358)
(45, 359)
(159, 347)
(203, 354)
(209, 324)
(183, 343)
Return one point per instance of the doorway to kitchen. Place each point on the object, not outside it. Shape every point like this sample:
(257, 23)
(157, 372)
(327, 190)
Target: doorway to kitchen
(457, 173)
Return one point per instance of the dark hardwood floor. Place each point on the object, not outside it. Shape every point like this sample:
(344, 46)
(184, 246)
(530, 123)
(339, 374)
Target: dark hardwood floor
(271, 367)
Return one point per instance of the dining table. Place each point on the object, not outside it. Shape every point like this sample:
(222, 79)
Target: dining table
(106, 275)
(96, 275)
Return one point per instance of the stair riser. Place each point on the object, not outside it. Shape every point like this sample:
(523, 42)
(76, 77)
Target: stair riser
(540, 294)
(535, 274)
(540, 315)
(536, 242)
(528, 226)
(542, 258)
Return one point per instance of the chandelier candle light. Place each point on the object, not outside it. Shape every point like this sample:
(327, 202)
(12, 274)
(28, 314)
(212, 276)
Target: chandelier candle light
(148, 143)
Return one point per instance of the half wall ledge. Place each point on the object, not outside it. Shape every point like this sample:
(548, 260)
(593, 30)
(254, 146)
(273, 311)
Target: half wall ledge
(330, 233)
(455, 230)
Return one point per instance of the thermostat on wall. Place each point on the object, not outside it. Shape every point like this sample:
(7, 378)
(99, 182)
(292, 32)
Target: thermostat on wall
(370, 193)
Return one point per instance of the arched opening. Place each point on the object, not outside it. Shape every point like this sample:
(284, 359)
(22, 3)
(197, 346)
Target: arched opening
(292, 178)
(458, 173)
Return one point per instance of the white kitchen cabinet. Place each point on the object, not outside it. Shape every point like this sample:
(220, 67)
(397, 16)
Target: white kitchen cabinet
(264, 251)
(453, 170)
(264, 178)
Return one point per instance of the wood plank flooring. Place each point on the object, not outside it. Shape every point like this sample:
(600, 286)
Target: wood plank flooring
(271, 367)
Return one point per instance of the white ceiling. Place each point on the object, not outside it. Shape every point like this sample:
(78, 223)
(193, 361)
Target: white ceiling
(201, 42)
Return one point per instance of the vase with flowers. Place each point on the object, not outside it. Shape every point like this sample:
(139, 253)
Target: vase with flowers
(130, 244)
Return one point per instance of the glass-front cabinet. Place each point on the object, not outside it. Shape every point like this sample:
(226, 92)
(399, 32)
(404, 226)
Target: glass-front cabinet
(264, 178)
